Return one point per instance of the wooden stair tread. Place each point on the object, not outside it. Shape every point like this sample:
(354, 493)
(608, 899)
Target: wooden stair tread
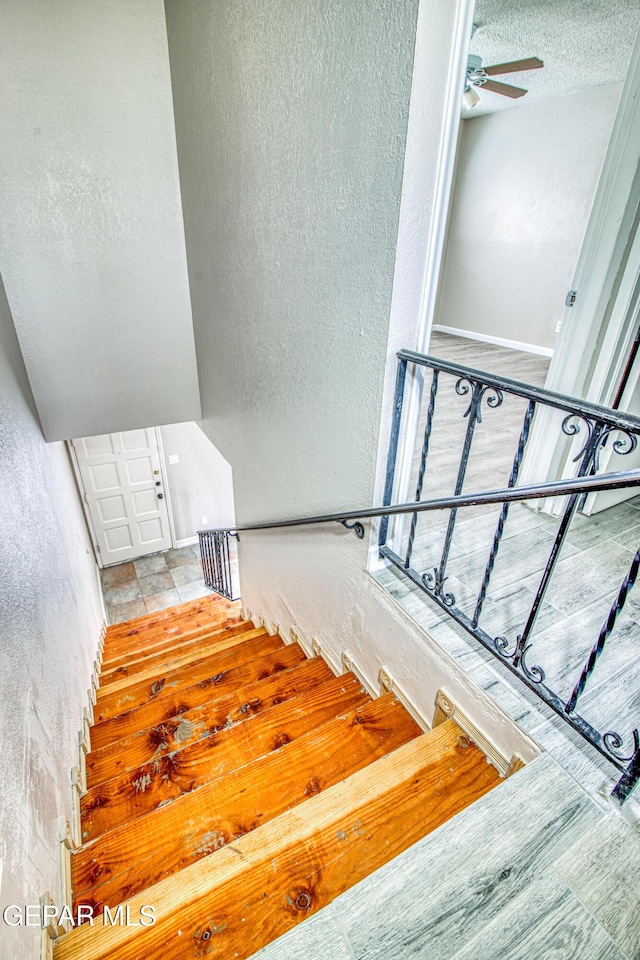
(136, 855)
(175, 661)
(246, 701)
(181, 614)
(243, 896)
(157, 686)
(174, 702)
(139, 791)
(137, 660)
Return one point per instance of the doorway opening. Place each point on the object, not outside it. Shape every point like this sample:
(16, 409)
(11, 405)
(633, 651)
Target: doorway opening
(146, 493)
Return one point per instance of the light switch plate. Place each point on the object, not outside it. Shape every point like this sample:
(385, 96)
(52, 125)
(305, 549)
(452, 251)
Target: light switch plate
(174, 458)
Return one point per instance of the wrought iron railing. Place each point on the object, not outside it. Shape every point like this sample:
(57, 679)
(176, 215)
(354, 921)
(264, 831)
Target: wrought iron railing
(513, 652)
(217, 564)
(599, 426)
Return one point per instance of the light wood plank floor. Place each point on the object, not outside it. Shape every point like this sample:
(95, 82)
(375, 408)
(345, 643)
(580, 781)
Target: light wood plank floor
(533, 869)
(594, 559)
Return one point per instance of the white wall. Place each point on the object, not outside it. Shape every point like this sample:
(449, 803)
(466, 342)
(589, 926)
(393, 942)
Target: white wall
(200, 484)
(50, 619)
(525, 185)
(291, 118)
(92, 242)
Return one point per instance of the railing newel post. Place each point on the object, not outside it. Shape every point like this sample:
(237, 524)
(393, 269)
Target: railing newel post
(392, 455)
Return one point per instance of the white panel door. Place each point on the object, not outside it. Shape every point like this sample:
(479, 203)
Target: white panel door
(124, 492)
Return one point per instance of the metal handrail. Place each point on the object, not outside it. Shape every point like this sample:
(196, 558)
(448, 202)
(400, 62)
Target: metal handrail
(614, 418)
(537, 491)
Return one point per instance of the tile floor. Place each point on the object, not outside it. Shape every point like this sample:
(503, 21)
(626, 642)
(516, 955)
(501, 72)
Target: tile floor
(152, 583)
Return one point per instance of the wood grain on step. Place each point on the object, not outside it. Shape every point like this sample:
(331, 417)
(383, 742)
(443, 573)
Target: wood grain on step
(171, 630)
(177, 674)
(201, 608)
(234, 902)
(174, 661)
(132, 794)
(170, 702)
(167, 641)
(150, 620)
(134, 661)
(137, 855)
(246, 701)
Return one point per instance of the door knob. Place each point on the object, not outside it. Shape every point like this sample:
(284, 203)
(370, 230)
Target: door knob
(161, 496)
(158, 483)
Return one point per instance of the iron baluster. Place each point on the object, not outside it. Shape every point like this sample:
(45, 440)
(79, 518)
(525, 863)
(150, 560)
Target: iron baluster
(393, 446)
(589, 455)
(513, 479)
(216, 561)
(474, 412)
(227, 567)
(423, 463)
(605, 632)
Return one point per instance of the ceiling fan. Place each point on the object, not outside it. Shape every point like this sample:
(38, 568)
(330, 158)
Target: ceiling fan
(479, 76)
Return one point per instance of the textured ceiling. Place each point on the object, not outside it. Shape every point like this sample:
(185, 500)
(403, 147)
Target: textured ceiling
(583, 43)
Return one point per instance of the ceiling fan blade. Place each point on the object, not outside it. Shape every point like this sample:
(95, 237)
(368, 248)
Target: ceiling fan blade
(515, 66)
(504, 89)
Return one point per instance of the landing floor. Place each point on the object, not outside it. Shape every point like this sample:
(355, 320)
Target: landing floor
(152, 583)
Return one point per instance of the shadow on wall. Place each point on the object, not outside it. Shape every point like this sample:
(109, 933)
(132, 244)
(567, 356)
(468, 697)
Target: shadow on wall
(199, 480)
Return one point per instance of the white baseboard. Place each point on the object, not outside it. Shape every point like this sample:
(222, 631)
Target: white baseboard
(375, 561)
(187, 542)
(498, 341)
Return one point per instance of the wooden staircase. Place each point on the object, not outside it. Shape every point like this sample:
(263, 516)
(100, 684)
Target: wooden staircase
(236, 787)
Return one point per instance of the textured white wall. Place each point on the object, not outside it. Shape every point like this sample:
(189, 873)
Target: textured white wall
(525, 186)
(92, 243)
(50, 619)
(200, 485)
(291, 118)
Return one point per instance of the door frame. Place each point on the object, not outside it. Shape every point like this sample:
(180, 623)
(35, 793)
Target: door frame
(593, 335)
(443, 35)
(85, 503)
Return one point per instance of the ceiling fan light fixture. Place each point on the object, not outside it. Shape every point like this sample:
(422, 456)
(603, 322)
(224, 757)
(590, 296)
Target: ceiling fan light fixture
(470, 98)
